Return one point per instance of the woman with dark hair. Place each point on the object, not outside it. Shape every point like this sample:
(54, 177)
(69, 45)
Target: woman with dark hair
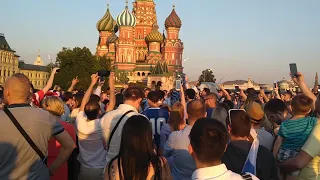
(137, 158)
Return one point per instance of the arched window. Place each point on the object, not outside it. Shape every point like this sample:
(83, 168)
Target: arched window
(143, 74)
(149, 74)
(138, 73)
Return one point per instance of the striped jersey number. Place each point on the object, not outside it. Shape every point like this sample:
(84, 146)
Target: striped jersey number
(156, 128)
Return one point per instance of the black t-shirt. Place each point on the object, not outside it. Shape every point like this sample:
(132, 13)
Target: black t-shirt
(236, 155)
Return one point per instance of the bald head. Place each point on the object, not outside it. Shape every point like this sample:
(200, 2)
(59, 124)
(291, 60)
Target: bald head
(196, 109)
(17, 89)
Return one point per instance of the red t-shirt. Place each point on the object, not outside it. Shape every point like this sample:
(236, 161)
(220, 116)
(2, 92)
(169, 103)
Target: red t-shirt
(54, 149)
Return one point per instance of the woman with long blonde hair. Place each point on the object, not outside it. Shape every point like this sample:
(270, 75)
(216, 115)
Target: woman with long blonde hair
(176, 121)
(55, 106)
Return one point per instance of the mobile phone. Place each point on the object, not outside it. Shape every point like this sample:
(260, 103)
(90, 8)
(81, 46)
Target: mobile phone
(178, 85)
(58, 70)
(293, 69)
(274, 85)
(236, 89)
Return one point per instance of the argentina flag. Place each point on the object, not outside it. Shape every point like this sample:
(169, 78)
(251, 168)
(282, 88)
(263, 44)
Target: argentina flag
(250, 164)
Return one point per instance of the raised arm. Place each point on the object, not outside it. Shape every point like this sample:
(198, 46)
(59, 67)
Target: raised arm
(98, 90)
(86, 97)
(316, 84)
(243, 95)
(276, 91)
(299, 80)
(50, 81)
(225, 92)
(112, 96)
(73, 84)
(263, 94)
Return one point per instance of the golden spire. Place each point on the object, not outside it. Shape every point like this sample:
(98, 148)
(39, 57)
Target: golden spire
(38, 52)
(108, 6)
(174, 6)
(126, 3)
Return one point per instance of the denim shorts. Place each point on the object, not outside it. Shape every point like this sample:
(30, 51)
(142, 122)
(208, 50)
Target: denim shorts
(285, 154)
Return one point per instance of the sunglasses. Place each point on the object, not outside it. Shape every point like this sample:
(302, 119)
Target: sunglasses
(232, 110)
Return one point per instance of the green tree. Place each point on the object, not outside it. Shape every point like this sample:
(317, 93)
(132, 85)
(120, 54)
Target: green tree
(122, 77)
(206, 76)
(78, 62)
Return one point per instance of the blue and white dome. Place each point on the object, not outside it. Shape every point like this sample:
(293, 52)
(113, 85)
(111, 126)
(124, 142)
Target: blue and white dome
(126, 18)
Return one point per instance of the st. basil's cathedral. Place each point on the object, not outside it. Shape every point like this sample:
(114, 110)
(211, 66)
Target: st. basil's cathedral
(135, 45)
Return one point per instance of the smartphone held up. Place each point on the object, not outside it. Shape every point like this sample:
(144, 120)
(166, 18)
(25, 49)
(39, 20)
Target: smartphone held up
(293, 70)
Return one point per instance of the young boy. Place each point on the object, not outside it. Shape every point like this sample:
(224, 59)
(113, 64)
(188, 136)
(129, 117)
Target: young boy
(294, 132)
(157, 116)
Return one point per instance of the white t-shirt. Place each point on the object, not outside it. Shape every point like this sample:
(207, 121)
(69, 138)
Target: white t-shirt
(217, 172)
(109, 121)
(91, 150)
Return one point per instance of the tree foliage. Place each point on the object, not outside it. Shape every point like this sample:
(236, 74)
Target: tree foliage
(122, 76)
(206, 76)
(78, 62)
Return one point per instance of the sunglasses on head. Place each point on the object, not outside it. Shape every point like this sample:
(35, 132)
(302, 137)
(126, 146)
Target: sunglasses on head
(232, 110)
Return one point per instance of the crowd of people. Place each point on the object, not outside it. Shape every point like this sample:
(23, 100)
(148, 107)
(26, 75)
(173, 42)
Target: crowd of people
(145, 134)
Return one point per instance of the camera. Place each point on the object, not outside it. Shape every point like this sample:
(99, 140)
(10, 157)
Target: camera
(103, 74)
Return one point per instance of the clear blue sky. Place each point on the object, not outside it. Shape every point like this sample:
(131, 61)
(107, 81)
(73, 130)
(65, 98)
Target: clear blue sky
(235, 38)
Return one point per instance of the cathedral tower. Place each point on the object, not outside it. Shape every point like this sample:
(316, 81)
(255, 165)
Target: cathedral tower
(145, 12)
(106, 26)
(154, 40)
(125, 49)
(173, 48)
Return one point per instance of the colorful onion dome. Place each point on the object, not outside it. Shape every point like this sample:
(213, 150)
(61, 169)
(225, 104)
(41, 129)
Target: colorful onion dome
(154, 35)
(106, 22)
(112, 38)
(173, 20)
(126, 18)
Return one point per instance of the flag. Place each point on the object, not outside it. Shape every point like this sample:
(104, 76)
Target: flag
(250, 164)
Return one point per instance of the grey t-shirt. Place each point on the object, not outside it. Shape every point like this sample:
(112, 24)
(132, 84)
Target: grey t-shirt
(17, 158)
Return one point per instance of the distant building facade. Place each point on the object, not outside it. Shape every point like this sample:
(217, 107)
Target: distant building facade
(287, 85)
(38, 75)
(10, 64)
(243, 84)
(8, 60)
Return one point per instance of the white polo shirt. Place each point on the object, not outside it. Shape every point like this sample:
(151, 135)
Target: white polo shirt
(109, 121)
(217, 172)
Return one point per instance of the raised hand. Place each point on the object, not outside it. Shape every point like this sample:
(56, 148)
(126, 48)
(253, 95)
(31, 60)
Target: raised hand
(298, 79)
(94, 79)
(262, 92)
(54, 70)
(111, 79)
(75, 80)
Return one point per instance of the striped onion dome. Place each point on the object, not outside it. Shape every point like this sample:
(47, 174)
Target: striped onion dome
(112, 38)
(126, 18)
(173, 20)
(106, 23)
(154, 35)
